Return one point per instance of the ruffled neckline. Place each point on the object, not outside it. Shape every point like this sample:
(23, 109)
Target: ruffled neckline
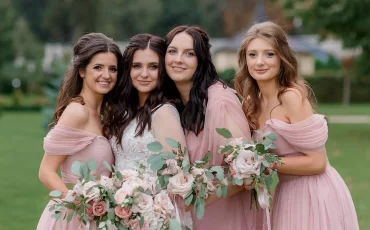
(80, 130)
(282, 124)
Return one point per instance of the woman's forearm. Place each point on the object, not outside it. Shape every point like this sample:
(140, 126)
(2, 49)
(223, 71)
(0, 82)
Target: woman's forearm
(312, 164)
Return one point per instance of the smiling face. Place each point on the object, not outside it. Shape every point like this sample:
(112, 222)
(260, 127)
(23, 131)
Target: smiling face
(262, 60)
(144, 71)
(100, 75)
(181, 61)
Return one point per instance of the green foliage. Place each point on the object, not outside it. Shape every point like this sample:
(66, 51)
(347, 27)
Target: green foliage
(228, 76)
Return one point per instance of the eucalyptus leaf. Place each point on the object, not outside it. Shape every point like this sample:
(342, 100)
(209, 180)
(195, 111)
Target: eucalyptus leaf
(107, 165)
(76, 168)
(224, 132)
(238, 181)
(219, 172)
(56, 215)
(91, 164)
(224, 191)
(155, 146)
(265, 163)
(153, 158)
(70, 216)
(186, 168)
(157, 165)
(227, 149)
(202, 191)
(272, 136)
(246, 141)
(199, 209)
(122, 227)
(275, 180)
(55, 193)
(209, 175)
(141, 222)
(174, 225)
(219, 191)
(167, 155)
(171, 142)
(101, 224)
(189, 199)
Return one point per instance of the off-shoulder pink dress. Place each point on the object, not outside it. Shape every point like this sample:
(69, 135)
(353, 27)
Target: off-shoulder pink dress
(232, 213)
(318, 202)
(78, 145)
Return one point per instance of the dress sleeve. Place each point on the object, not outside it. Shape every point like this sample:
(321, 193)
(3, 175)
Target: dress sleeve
(63, 140)
(166, 124)
(307, 136)
(224, 111)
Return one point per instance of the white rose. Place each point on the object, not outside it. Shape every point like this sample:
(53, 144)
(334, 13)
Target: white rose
(106, 182)
(164, 205)
(246, 165)
(133, 182)
(229, 158)
(150, 182)
(77, 189)
(143, 204)
(91, 191)
(172, 167)
(197, 171)
(180, 184)
(121, 194)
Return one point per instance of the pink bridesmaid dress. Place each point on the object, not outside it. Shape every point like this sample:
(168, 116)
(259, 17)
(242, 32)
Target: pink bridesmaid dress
(318, 202)
(78, 145)
(232, 213)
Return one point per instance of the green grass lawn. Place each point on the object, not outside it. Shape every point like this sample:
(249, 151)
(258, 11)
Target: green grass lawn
(22, 195)
(338, 109)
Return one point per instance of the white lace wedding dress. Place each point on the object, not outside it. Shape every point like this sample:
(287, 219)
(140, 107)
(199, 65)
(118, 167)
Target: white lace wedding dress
(133, 150)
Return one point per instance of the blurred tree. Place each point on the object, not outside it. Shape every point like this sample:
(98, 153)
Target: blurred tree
(7, 16)
(33, 12)
(347, 20)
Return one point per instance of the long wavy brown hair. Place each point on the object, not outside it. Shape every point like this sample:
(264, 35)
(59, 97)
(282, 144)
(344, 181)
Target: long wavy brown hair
(288, 76)
(84, 50)
(126, 98)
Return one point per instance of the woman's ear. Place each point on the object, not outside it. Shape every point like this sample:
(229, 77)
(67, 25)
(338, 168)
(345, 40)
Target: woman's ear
(82, 73)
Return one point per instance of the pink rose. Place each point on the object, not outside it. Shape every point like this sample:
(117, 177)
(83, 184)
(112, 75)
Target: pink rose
(180, 184)
(135, 225)
(99, 208)
(172, 167)
(123, 213)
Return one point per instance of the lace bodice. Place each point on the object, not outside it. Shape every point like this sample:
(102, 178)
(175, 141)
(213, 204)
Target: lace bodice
(134, 151)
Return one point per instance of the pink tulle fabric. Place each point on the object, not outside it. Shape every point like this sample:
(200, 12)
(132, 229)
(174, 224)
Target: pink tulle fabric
(78, 145)
(318, 202)
(223, 111)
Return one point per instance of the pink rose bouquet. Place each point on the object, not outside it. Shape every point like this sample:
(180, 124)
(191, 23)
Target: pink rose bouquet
(249, 165)
(193, 182)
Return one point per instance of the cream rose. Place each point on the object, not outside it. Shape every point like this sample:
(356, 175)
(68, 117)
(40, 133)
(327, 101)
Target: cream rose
(246, 165)
(180, 184)
(106, 182)
(143, 203)
(197, 171)
(121, 194)
(163, 204)
(90, 190)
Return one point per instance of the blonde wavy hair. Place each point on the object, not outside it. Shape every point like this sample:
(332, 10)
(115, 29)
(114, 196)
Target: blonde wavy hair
(288, 76)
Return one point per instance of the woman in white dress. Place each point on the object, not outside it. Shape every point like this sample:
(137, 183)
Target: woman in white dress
(142, 113)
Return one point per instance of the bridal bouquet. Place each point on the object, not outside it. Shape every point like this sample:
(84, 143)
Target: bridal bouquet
(127, 200)
(249, 164)
(193, 182)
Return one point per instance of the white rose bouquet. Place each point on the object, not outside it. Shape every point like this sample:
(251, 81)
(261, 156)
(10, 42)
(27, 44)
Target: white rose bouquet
(193, 182)
(129, 199)
(249, 165)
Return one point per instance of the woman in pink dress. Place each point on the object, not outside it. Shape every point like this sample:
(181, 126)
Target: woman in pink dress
(311, 195)
(83, 98)
(208, 104)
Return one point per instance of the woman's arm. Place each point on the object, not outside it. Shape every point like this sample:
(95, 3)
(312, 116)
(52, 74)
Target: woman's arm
(296, 109)
(74, 116)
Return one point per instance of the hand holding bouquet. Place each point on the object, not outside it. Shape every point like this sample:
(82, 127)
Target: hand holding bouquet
(249, 164)
(191, 181)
